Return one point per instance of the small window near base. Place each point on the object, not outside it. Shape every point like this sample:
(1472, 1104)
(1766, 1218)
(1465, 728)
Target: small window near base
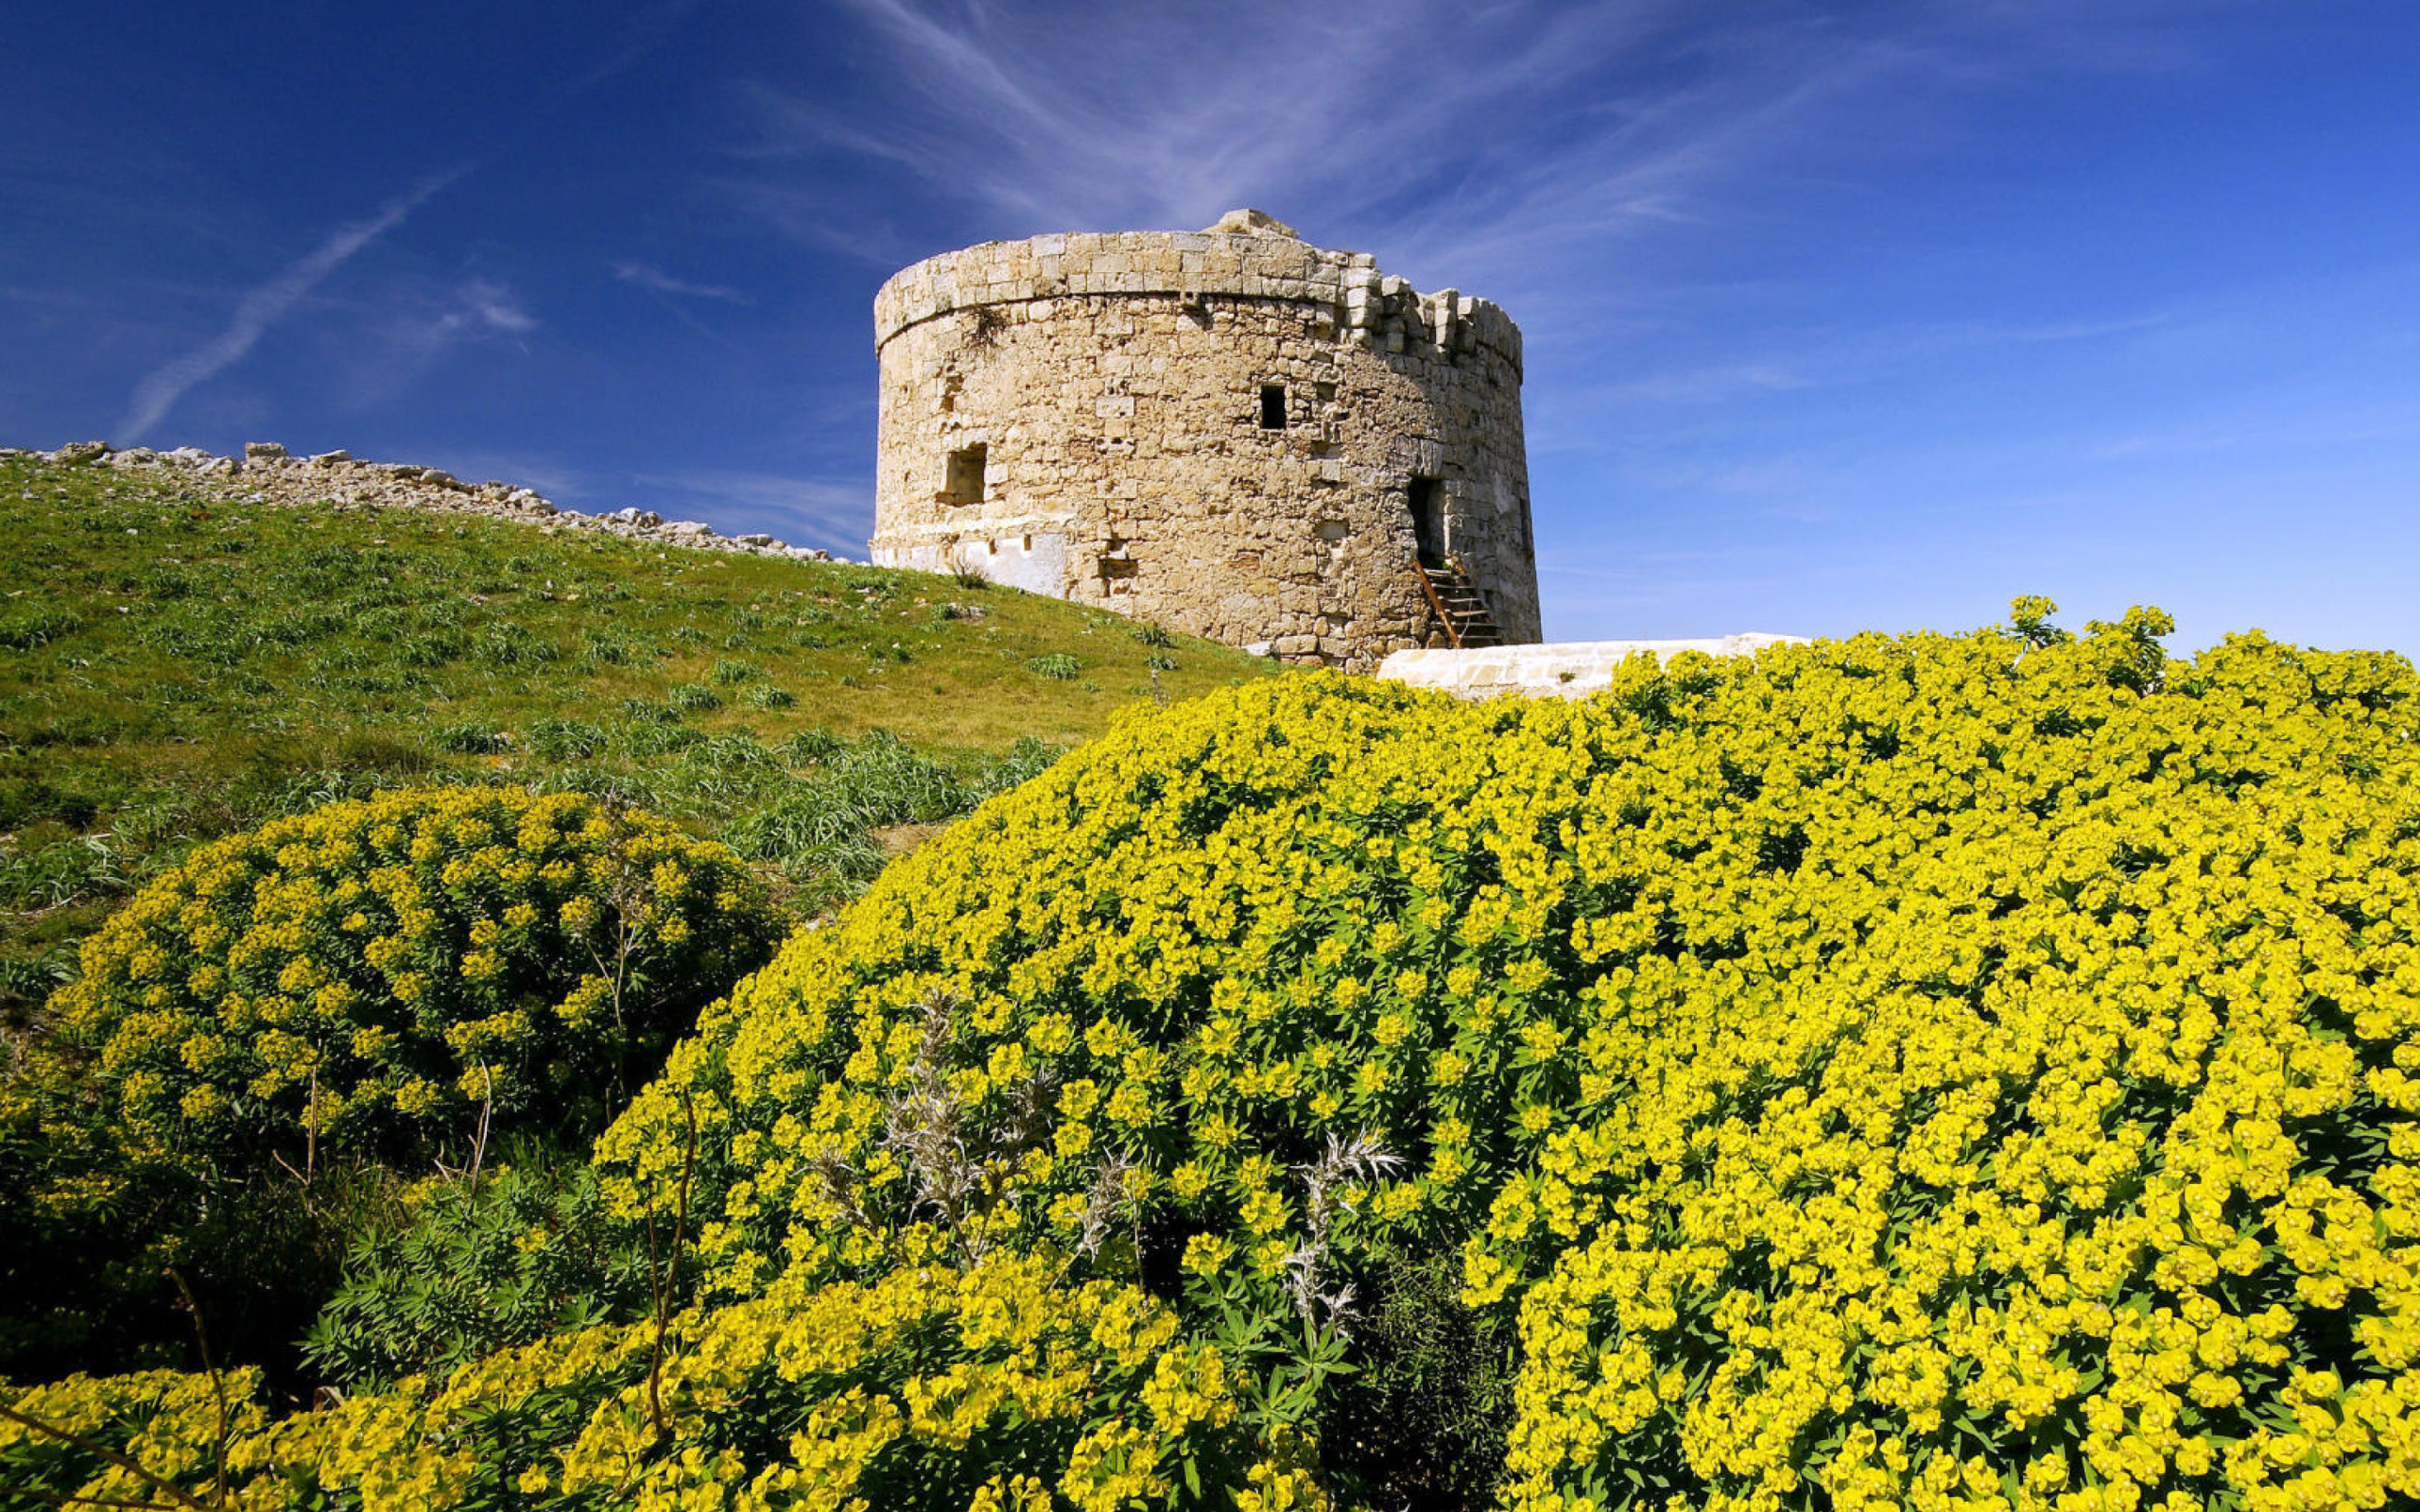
(1272, 407)
(962, 483)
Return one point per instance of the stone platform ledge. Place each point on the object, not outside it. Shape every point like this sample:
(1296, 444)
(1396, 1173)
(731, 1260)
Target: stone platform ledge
(1571, 669)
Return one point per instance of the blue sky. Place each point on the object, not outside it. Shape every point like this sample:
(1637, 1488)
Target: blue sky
(1839, 316)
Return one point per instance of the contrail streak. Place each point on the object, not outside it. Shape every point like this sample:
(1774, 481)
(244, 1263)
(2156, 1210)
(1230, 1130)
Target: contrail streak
(258, 310)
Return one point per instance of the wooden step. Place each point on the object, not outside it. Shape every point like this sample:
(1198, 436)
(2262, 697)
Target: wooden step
(1461, 608)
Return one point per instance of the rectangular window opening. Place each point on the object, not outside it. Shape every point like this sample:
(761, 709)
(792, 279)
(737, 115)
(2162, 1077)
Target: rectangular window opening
(1428, 521)
(963, 481)
(1272, 407)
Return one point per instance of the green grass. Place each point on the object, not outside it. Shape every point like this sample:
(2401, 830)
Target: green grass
(173, 669)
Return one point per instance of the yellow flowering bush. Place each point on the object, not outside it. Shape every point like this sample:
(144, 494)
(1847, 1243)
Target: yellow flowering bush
(1941, 1072)
(1002, 1385)
(1934, 1071)
(421, 976)
(388, 978)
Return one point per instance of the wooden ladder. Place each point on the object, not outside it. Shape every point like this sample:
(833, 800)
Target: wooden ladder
(1459, 605)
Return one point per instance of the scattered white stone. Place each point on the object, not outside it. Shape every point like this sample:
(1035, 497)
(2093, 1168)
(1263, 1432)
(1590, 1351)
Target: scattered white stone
(264, 450)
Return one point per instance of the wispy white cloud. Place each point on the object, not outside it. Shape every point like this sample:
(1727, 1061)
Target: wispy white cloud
(1511, 147)
(374, 349)
(656, 281)
(426, 323)
(264, 306)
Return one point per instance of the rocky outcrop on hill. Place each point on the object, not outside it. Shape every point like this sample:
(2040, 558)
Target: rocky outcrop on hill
(267, 474)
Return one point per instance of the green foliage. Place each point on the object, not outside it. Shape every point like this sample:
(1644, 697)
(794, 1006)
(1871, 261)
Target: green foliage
(1424, 1417)
(29, 628)
(471, 740)
(821, 828)
(1059, 666)
(486, 1263)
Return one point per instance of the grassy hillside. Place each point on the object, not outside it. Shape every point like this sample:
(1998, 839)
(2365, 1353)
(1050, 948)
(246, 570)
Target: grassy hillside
(173, 668)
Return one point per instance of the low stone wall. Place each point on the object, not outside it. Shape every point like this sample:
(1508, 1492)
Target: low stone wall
(265, 473)
(1570, 669)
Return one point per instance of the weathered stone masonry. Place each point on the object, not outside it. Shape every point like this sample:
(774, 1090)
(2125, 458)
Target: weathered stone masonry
(1230, 432)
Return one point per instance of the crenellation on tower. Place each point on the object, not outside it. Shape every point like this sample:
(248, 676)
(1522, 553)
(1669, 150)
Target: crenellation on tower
(1231, 432)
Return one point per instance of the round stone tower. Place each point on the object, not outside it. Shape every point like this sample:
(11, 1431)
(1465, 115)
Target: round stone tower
(1229, 432)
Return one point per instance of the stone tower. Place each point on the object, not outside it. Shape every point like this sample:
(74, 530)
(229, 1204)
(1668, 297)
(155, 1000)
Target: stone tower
(1230, 432)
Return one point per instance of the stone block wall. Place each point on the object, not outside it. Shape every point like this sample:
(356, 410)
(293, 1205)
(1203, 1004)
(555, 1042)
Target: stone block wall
(1221, 431)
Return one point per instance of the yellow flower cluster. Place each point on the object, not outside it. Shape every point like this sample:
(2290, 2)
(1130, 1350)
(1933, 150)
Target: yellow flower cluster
(367, 978)
(1000, 1387)
(1934, 1071)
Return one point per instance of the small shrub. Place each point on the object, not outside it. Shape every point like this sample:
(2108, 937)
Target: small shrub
(431, 649)
(811, 746)
(654, 736)
(28, 629)
(54, 875)
(1160, 663)
(28, 981)
(510, 647)
(1153, 635)
(692, 697)
(484, 1263)
(565, 740)
(730, 674)
(395, 980)
(1019, 765)
(1058, 665)
(378, 977)
(471, 740)
(769, 696)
